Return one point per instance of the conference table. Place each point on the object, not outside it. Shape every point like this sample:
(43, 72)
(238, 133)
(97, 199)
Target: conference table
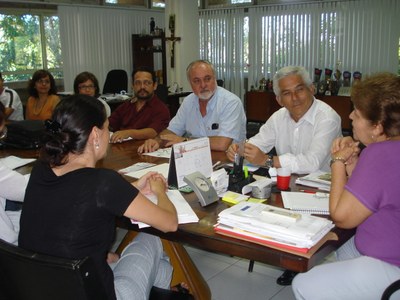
(202, 234)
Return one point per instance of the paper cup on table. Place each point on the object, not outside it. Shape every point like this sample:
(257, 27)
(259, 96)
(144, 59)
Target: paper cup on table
(283, 178)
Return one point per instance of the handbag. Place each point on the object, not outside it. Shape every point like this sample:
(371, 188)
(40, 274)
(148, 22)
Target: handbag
(25, 134)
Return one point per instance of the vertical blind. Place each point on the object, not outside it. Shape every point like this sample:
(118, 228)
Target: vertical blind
(356, 35)
(98, 39)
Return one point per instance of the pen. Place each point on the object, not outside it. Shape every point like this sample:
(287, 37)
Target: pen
(308, 191)
(216, 164)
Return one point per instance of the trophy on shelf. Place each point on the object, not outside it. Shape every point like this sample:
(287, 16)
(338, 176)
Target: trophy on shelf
(317, 78)
(356, 77)
(346, 78)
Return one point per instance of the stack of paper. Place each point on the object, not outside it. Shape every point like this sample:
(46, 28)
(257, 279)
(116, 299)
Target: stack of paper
(318, 179)
(185, 212)
(269, 225)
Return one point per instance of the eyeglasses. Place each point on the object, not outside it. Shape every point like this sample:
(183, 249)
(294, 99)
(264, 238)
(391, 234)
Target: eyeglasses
(144, 82)
(86, 87)
(43, 81)
(3, 133)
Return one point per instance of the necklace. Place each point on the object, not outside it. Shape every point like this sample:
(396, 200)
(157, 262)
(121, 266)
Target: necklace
(36, 107)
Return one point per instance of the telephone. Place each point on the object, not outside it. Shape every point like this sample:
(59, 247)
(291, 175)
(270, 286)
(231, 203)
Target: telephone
(202, 187)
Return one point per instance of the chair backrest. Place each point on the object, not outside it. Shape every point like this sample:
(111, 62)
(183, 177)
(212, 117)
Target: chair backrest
(162, 92)
(29, 275)
(116, 81)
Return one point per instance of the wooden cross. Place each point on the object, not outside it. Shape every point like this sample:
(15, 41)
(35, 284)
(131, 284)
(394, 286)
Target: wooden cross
(173, 39)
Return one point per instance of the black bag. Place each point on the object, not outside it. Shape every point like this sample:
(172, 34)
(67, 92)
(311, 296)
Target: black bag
(24, 134)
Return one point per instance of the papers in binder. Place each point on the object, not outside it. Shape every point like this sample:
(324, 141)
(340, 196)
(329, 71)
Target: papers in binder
(317, 203)
(318, 179)
(247, 220)
(185, 212)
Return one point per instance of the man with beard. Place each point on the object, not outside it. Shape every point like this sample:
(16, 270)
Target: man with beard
(209, 111)
(145, 115)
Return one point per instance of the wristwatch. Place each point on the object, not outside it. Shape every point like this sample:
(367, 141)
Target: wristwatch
(269, 162)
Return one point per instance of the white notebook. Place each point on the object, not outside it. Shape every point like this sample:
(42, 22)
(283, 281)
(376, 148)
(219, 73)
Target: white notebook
(317, 203)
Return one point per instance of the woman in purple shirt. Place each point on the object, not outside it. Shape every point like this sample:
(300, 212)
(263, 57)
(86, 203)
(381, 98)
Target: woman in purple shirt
(365, 194)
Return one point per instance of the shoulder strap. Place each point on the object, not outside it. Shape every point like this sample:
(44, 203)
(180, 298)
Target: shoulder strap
(11, 97)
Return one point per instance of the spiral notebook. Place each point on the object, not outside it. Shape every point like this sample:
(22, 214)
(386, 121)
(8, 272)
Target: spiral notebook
(317, 203)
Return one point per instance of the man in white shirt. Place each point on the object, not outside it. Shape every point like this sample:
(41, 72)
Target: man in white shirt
(209, 111)
(12, 102)
(12, 187)
(301, 132)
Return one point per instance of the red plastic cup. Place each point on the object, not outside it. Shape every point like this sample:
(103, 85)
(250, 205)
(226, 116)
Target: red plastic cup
(283, 178)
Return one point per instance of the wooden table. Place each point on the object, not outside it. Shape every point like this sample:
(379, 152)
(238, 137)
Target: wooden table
(201, 234)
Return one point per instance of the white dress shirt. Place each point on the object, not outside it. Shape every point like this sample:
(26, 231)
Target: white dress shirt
(12, 187)
(302, 146)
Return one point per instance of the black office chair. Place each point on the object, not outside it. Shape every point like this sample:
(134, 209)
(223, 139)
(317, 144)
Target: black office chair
(27, 275)
(162, 92)
(220, 82)
(390, 290)
(116, 81)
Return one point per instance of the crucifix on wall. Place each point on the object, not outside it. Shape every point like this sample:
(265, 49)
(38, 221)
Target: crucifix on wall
(172, 39)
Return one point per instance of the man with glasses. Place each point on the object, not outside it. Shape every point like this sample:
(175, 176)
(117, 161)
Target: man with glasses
(11, 101)
(145, 115)
(209, 111)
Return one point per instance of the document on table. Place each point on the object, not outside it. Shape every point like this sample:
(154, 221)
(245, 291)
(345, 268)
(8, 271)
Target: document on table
(317, 203)
(318, 179)
(14, 162)
(162, 168)
(185, 212)
(136, 167)
(162, 152)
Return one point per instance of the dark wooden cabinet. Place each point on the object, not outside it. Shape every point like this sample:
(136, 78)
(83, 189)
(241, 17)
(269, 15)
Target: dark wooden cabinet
(260, 106)
(149, 51)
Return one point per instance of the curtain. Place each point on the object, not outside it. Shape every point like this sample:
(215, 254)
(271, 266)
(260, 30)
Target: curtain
(356, 35)
(222, 42)
(98, 39)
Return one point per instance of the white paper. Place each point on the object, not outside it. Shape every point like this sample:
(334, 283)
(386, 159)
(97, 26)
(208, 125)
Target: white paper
(313, 180)
(137, 167)
(14, 162)
(185, 212)
(317, 203)
(162, 152)
(260, 183)
(162, 169)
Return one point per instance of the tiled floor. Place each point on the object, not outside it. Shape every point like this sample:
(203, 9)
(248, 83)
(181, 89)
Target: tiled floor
(229, 279)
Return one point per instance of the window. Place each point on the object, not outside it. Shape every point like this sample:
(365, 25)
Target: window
(29, 42)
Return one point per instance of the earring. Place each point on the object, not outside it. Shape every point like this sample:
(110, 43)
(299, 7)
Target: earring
(96, 145)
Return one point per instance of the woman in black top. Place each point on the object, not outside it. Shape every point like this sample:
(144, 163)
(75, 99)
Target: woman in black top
(70, 206)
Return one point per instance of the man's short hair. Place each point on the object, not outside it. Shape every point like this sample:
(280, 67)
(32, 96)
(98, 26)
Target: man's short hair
(147, 70)
(196, 62)
(287, 71)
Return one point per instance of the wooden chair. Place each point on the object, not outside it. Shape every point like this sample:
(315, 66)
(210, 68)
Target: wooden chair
(27, 275)
(184, 268)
